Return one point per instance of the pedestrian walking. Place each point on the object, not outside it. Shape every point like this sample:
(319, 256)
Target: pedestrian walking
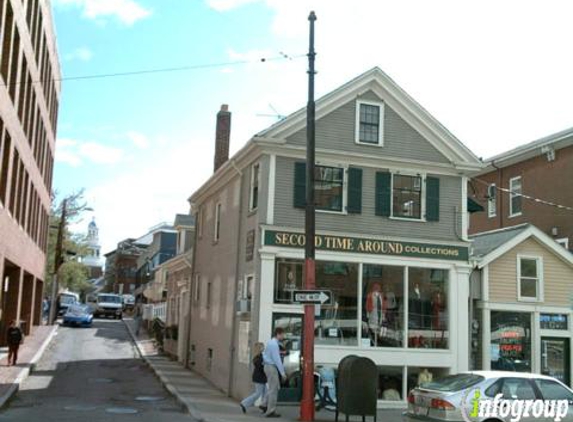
(46, 308)
(14, 337)
(259, 378)
(275, 372)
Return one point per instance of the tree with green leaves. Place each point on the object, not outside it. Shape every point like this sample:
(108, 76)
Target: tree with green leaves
(72, 274)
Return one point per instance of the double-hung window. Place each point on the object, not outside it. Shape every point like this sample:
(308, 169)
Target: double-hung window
(254, 193)
(491, 200)
(329, 188)
(515, 198)
(369, 121)
(217, 233)
(529, 278)
(407, 196)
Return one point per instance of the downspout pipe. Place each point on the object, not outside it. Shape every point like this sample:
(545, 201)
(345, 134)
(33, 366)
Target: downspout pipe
(237, 268)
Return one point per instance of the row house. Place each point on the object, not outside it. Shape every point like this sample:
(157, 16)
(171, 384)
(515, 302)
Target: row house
(392, 246)
(528, 184)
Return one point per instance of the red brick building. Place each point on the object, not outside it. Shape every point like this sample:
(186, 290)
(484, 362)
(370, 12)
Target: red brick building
(29, 97)
(517, 185)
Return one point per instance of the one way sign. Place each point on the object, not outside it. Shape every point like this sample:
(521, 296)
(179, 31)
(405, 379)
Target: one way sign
(312, 297)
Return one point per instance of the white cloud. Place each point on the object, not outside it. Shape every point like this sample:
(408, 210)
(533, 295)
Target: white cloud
(225, 5)
(127, 11)
(138, 139)
(75, 153)
(83, 54)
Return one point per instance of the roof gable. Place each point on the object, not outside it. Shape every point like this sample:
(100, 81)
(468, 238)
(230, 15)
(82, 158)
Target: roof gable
(493, 245)
(399, 101)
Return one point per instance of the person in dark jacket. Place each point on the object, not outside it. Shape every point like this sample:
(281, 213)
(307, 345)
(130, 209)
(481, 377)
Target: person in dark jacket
(259, 378)
(14, 337)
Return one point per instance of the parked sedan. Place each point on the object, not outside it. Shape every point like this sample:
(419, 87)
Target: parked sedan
(489, 396)
(78, 314)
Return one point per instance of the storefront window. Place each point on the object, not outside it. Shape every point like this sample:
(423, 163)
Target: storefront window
(338, 322)
(511, 341)
(288, 278)
(383, 306)
(428, 313)
(292, 343)
(418, 376)
(390, 382)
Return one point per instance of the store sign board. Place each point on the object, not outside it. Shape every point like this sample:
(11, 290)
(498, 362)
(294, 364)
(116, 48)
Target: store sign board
(367, 246)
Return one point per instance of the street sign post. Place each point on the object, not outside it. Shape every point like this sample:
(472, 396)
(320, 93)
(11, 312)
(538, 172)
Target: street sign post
(312, 297)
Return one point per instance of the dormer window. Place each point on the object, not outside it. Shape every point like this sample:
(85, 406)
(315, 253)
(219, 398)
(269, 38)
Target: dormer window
(369, 123)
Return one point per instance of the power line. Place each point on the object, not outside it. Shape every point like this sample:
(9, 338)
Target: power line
(282, 56)
(531, 198)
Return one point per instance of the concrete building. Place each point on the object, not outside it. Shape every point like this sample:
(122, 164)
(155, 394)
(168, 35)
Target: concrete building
(392, 247)
(522, 297)
(516, 185)
(29, 97)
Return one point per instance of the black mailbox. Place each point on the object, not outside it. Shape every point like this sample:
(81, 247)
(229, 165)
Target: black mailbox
(357, 387)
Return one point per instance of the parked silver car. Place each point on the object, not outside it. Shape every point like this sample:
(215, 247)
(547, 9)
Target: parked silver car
(491, 396)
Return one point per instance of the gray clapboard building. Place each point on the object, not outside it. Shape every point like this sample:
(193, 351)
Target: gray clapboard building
(392, 244)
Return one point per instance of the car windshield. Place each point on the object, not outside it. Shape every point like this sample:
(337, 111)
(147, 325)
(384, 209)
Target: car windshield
(77, 309)
(67, 299)
(109, 299)
(453, 382)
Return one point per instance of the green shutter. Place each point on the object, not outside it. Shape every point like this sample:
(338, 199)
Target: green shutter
(299, 185)
(383, 193)
(354, 190)
(432, 199)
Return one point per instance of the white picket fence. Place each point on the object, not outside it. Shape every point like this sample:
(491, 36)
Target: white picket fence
(155, 310)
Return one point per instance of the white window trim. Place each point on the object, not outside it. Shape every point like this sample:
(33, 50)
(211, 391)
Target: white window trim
(380, 123)
(564, 241)
(251, 185)
(422, 218)
(244, 293)
(540, 286)
(492, 202)
(511, 213)
(344, 168)
(217, 226)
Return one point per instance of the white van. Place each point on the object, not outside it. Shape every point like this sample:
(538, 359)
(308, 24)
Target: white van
(109, 304)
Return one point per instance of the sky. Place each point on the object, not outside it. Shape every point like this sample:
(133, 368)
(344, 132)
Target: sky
(496, 74)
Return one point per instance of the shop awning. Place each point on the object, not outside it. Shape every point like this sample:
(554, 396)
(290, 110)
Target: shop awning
(473, 206)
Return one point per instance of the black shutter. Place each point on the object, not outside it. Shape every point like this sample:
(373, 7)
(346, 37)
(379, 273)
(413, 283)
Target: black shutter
(354, 190)
(383, 193)
(300, 185)
(432, 199)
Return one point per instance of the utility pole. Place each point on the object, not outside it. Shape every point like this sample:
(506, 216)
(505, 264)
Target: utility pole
(307, 402)
(58, 261)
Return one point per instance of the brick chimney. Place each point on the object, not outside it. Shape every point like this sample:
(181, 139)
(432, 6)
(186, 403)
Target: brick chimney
(222, 136)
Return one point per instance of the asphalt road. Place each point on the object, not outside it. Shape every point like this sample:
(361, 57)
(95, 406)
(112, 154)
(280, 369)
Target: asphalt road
(92, 374)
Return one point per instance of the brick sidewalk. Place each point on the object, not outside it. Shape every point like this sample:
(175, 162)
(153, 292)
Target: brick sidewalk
(29, 353)
(206, 403)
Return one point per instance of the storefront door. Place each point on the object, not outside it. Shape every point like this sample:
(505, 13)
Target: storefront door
(555, 360)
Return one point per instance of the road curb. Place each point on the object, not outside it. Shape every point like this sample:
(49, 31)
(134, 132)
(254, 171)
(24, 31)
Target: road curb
(25, 372)
(185, 402)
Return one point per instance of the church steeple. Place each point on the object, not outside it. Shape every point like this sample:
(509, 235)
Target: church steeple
(93, 258)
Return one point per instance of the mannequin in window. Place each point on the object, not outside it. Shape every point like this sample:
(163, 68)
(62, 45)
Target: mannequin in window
(376, 309)
(425, 376)
(415, 303)
(438, 306)
(391, 306)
